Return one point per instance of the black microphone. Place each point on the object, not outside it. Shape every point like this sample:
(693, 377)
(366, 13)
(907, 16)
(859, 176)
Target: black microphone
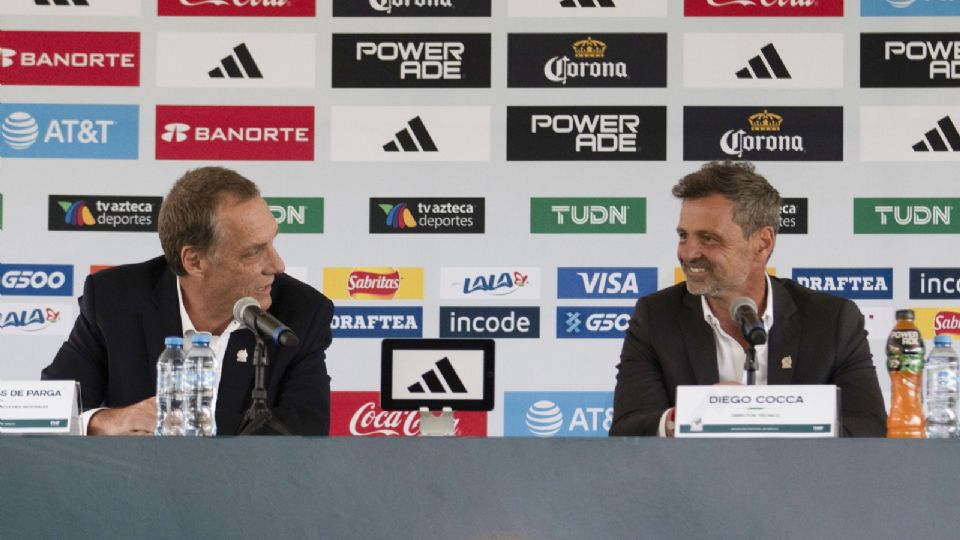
(247, 312)
(743, 310)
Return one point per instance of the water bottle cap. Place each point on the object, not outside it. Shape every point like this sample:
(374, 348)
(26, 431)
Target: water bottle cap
(173, 341)
(905, 314)
(943, 341)
(201, 338)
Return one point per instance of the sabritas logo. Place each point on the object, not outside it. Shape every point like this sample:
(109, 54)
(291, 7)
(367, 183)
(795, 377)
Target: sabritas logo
(935, 321)
(763, 8)
(70, 58)
(373, 283)
(235, 133)
(358, 414)
(237, 8)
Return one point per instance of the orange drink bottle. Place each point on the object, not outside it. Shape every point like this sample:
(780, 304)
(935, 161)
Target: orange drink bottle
(905, 353)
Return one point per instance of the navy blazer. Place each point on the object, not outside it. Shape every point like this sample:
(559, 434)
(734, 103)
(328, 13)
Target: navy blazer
(125, 313)
(668, 343)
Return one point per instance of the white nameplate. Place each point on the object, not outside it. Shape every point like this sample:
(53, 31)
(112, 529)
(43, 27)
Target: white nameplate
(45, 407)
(756, 411)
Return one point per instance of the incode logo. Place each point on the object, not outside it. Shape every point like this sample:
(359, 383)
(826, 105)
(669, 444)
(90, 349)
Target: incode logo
(937, 140)
(399, 216)
(413, 138)
(20, 130)
(587, 3)
(433, 381)
(175, 132)
(766, 65)
(6, 57)
(77, 213)
(544, 418)
(233, 71)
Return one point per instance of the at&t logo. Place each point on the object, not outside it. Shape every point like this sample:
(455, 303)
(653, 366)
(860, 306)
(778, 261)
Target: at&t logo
(557, 414)
(20, 130)
(544, 418)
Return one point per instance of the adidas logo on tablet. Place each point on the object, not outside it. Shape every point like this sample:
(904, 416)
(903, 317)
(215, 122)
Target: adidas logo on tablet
(413, 138)
(229, 68)
(944, 139)
(443, 370)
(766, 65)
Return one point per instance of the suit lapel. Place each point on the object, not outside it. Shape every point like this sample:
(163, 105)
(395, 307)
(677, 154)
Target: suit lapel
(162, 319)
(236, 376)
(784, 337)
(698, 339)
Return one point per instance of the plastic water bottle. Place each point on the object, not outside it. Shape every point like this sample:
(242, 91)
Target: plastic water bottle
(203, 357)
(189, 390)
(940, 389)
(169, 403)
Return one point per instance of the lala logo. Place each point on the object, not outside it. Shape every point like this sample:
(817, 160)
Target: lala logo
(373, 283)
(494, 283)
(946, 322)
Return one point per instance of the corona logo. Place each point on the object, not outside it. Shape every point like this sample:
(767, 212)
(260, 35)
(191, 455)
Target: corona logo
(589, 48)
(765, 121)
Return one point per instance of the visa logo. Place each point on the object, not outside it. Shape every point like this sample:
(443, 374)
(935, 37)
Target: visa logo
(851, 283)
(557, 414)
(605, 282)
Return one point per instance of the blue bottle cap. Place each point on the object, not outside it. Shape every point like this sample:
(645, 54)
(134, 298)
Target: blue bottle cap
(942, 341)
(201, 338)
(173, 341)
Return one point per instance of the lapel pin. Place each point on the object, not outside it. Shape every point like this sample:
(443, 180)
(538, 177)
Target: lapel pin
(242, 356)
(786, 362)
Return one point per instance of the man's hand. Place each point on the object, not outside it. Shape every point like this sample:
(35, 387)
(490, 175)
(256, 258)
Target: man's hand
(137, 419)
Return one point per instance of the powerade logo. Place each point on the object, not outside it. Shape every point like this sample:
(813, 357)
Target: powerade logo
(377, 322)
(36, 279)
(426, 216)
(605, 282)
(69, 131)
(34, 318)
(592, 322)
(583, 215)
(295, 215)
(103, 213)
(934, 283)
(909, 8)
(70, 58)
(852, 283)
(557, 414)
(489, 322)
(411, 8)
(915, 60)
(906, 216)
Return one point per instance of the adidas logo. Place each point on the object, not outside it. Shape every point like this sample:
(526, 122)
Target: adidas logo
(761, 66)
(586, 3)
(413, 138)
(61, 2)
(432, 380)
(232, 69)
(938, 140)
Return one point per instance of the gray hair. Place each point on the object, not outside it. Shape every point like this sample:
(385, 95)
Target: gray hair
(756, 204)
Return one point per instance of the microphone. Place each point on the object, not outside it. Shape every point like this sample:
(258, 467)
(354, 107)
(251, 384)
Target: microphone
(743, 310)
(247, 312)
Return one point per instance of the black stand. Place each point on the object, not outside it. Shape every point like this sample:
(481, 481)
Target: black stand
(259, 418)
(750, 365)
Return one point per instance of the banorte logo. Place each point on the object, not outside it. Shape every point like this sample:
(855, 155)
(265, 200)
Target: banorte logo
(358, 414)
(77, 213)
(237, 8)
(373, 283)
(763, 8)
(70, 58)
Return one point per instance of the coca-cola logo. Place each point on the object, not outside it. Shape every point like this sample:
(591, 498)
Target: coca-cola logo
(762, 3)
(946, 322)
(237, 8)
(370, 420)
(237, 3)
(763, 8)
(358, 414)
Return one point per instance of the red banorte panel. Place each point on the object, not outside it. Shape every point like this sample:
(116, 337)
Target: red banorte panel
(69, 58)
(358, 414)
(763, 8)
(237, 8)
(235, 133)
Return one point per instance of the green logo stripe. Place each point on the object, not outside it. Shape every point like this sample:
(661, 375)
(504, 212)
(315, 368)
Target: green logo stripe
(906, 216)
(39, 423)
(565, 215)
(297, 215)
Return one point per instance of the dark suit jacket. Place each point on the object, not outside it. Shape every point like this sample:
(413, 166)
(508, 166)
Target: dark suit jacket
(668, 343)
(125, 313)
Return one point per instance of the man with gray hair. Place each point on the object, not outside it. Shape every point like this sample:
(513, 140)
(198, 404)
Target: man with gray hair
(684, 335)
(217, 236)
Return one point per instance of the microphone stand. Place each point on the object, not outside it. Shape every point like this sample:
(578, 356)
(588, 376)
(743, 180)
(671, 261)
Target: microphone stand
(750, 365)
(259, 416)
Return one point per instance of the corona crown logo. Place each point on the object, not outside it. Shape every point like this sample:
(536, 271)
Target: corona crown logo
(765, 121)
(589, 48)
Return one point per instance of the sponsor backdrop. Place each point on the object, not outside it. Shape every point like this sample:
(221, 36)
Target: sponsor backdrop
(470, 168)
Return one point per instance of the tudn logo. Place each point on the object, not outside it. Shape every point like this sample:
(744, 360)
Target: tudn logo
(433, 381)
(20, 130)
(544, 418)
(6, 57)
(229, 65)
(413, 138)
(399, 216)
(61, 2)
(77, 213)
(758, 69)
(586, 3)
(937, 140)
(175, 132)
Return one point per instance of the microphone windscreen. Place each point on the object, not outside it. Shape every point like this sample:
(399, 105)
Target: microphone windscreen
(242, 305)
(740, 303)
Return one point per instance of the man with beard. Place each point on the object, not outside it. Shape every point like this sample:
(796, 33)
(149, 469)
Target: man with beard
(684, 335)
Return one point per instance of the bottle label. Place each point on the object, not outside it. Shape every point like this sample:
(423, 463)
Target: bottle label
(905, 351)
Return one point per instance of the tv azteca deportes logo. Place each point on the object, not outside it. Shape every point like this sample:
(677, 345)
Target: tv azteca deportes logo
(70, 58)
(69, 131)
(426, 215)
(103, 213)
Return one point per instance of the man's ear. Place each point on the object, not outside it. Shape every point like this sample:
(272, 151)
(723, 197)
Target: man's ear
(766, 239)
(193, 260)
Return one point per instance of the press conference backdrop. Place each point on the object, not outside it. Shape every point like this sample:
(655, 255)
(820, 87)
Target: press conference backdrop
(478, 168)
